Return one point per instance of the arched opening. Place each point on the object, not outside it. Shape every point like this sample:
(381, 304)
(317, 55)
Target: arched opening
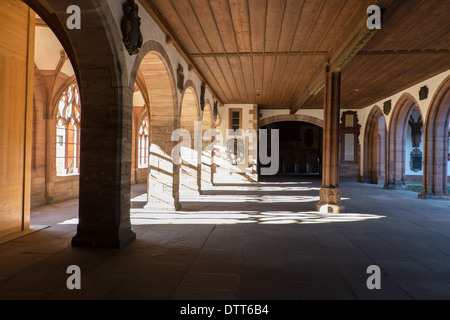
(42, 94)
(190, 157)
(414, 149)
(405, 136)
(68, 120)
(140, 150)
(300, 148)
(437, 145)
(56, 142)
(104, 217)
(375, 148)
(162, 182)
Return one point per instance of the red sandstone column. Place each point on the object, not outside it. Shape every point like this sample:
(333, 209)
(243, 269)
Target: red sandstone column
(330, 193)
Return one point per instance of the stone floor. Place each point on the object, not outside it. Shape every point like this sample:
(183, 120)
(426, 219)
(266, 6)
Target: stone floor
(246, 242)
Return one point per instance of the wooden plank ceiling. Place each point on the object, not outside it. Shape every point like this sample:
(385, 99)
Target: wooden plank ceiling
(412, 46)
(273, 52)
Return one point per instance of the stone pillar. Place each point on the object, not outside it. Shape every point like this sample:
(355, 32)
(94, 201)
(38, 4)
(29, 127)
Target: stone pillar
(50, 158)
(207, 166)
(330, 193)
(105, 184)
(164, 174)
(163, 179)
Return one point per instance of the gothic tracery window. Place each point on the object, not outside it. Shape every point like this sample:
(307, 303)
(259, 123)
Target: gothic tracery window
(68, 132)
(143, 144)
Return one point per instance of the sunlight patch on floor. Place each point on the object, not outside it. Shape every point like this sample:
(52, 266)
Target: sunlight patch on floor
(142, 217)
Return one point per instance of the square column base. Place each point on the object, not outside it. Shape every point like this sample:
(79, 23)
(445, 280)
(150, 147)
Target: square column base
(330, 200)
(98, 237)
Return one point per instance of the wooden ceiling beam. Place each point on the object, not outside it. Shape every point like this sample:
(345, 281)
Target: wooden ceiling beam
(403, 52)
(238, 54)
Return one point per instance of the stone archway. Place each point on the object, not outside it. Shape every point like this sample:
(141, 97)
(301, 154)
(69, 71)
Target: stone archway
(396, 156)
(291, 117)
(98, 60)
(190, 169)
(436, 134)
(154, 64)
(375, 147)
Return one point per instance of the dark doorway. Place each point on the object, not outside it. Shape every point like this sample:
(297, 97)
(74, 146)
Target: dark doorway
(300, 148)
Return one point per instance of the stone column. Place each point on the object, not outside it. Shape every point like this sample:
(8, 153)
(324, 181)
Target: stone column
(164, 175)
(330, 193)
(50, 158)
(105, 177)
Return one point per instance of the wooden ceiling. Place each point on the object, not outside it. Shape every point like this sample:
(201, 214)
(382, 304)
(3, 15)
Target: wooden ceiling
(273, 52)
(412, 46)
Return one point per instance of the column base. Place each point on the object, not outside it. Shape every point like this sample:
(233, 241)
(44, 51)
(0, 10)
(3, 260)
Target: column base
(97, 238)
(330, 200)
(431, 196)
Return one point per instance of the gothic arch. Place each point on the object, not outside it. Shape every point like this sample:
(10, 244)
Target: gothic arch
(190, 167)
(152, 69)
(207, 117)
(375, 147)
(291, 117)
(57, 96)
(435, 181)
(395, 175)
(190, 107)
(104, 217)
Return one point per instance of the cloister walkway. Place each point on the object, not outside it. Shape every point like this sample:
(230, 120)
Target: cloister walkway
(247, 242)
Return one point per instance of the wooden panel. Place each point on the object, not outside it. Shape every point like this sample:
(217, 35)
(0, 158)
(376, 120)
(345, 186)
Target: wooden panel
(257, 12)
(310, 13)
(275, 13)
(225, 24)
(291, 19)
(236, 66)
(241, 24)
(216, 70)
(15, 92)
(204, 14)
(167, 10)
(258, 66)
(188, 19)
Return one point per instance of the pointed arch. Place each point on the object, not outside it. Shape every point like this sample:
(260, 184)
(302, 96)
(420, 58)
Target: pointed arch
(375, 147)
(436, 148)
(152, 71)
(190, 107)
(104, 217)
(395, 175)
(190, 116)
